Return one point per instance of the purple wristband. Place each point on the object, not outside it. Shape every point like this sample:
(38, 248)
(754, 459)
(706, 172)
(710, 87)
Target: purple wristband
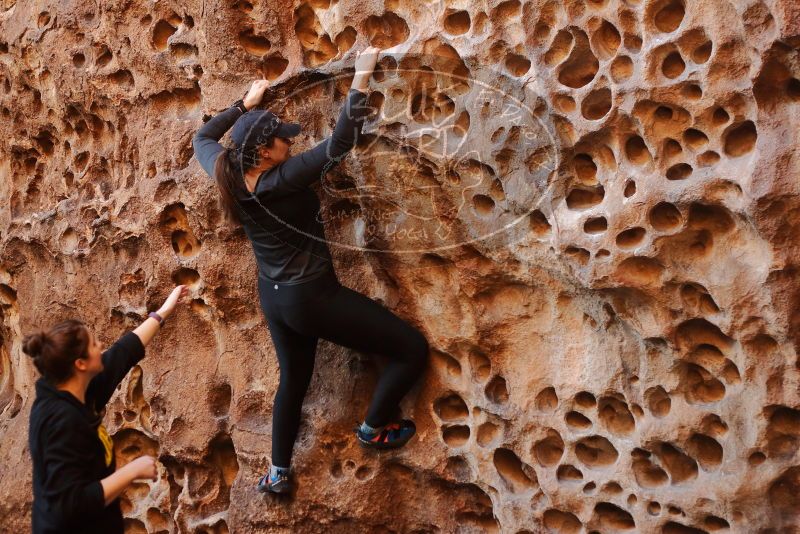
(157, 317)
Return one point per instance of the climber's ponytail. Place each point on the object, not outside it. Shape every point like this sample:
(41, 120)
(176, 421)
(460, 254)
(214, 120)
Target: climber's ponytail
(229, 170)
(225, 174)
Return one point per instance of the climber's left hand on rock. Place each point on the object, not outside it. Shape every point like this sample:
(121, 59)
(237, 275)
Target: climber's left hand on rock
(256, 92)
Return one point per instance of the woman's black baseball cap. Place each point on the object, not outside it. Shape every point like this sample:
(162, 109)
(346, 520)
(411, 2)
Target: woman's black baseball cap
(256, 126)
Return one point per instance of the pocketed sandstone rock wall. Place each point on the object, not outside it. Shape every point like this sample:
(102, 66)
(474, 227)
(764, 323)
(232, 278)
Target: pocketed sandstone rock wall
(589, 207)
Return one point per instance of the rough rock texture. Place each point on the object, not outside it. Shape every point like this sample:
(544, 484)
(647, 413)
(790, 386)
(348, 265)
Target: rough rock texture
(589, 207)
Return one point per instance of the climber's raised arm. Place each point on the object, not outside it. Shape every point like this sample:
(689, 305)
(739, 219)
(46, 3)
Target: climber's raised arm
(206, 141)
(128, 350)
(298, 172)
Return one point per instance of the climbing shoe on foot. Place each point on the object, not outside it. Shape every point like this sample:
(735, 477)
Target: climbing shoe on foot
(280, 483)
(391, 436)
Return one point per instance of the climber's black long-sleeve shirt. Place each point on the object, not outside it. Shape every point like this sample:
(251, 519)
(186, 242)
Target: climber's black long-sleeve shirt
(281, 217)
(72, 453)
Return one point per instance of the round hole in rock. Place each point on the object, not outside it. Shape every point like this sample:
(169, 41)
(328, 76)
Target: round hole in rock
(596, 452)
(631, 238)
(621, 69)
(585, 168)
(517, 65)
(509, 9)
(680, 171)
(640, 270)
(720, 116)
(577, 420)
(692, 91)
(694, 138)
(346, 39)
(457, 22)
(740, 139)
(613, 518)
(612, 488)
(497, 390)
(69, 241)
(672, 148)
(547, 400)
(162, 31)
(451, 408)
(568, 473)
(595, 225)
(44, 18)
(580, 198)
(455, 435)
(584, 399)
(541, 33)
(633, 42)
(581, 67)
(484, 205)
(386, 30)
(714, 523)
(669, 15)
(596, 104)
(702, 53)
(517, 476)
(663, 113)
(606, 40)
(187, 277)
(461, 124)
(549, 450)
(539, 224)
(673, 65)
(665, 217)
(497, 134)
(562, 522)
(564, 103)
(636, 150)
(581, 255)
(185, 244)
(630, 189)
(559, 49)
(488, 433)
(708, 158)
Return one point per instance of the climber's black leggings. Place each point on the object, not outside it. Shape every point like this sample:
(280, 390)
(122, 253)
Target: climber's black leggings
(297, 315)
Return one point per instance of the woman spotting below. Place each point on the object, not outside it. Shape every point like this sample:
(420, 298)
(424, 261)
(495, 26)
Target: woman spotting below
(76, 484)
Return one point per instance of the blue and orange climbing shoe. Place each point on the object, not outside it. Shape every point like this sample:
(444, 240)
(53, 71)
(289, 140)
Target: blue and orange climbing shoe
(391, 436)
(278, 484)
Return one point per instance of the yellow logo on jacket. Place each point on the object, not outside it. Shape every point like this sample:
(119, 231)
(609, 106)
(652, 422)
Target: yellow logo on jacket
(108, 444)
